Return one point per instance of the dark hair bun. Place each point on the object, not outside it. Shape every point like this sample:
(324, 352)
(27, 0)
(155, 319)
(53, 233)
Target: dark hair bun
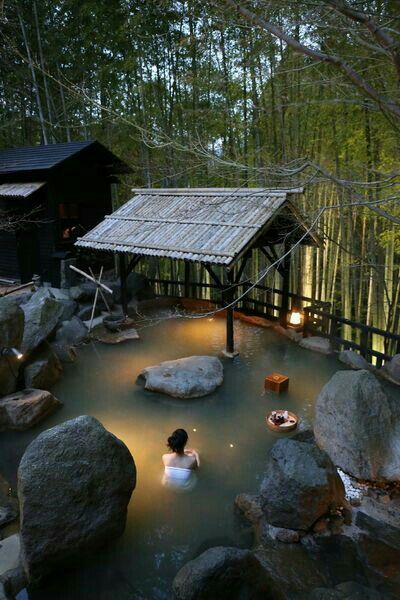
(177, 441)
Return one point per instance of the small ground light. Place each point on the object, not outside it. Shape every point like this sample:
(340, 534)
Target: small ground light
(194, 429)
(231, 445)
(12, 352)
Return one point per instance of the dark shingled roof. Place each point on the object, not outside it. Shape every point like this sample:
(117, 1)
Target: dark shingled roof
(34, 158)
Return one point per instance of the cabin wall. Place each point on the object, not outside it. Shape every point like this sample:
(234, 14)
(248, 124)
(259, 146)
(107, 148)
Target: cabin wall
(9, 267)
(78, 182)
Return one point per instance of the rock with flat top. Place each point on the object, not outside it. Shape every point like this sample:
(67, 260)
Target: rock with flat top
(189, 377)
(358, 425)
(24, 409)
(102, 334)
(75, 481)
(317, 344)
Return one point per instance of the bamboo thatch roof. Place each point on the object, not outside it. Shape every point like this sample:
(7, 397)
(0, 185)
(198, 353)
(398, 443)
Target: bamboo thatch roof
(203, 225)
(19, 190)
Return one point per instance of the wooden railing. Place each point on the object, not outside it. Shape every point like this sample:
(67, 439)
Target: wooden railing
(317, 316)
(333, 326)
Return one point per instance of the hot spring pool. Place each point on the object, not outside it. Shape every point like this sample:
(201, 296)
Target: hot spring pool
(166, 529)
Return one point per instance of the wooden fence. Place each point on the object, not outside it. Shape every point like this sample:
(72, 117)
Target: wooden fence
(318, 320)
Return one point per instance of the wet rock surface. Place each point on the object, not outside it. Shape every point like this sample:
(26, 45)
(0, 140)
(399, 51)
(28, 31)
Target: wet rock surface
(189, 377)
(22, 410)
(358, 425)
(88, 475)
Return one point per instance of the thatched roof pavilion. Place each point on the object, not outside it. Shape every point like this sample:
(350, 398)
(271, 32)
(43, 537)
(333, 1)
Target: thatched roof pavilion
(212, 226)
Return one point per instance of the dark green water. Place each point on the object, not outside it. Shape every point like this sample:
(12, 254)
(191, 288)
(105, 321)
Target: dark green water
(166, 529)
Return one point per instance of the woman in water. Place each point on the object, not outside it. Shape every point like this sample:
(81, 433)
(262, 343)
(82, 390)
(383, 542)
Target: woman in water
(179, 463)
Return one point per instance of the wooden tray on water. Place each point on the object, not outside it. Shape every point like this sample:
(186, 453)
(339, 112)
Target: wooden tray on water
(289, 425)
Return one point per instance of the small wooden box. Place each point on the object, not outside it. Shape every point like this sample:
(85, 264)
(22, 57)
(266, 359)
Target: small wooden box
(276, 382)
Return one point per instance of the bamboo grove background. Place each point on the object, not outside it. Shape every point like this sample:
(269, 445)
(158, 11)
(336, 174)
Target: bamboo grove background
(190, 94)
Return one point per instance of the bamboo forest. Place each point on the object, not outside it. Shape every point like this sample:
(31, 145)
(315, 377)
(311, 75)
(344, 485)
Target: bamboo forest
(194, 94)
(199, 244)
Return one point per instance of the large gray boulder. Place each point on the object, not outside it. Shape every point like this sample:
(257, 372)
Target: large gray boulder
(359, 426)
(11, 332)
(300, 485)
(223, 573)
(24, 409)
(189, 377)
(42, 313)
(74, 485)
(44, 370)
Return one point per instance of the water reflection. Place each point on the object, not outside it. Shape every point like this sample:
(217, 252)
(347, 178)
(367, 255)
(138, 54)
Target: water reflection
(165, 527)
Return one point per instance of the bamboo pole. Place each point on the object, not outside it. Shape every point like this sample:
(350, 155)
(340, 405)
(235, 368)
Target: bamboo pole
(91, 278)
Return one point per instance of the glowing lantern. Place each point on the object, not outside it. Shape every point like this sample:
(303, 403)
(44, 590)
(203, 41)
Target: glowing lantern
(295, 318)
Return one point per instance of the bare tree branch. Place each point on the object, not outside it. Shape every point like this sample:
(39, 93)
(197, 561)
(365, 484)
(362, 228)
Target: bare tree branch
(337, 61)
(379, 33)
(11, 221)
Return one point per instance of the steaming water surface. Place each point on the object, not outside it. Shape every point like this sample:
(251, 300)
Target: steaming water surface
(166, 529)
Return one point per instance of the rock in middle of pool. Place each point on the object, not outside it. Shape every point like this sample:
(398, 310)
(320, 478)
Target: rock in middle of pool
(190, 377)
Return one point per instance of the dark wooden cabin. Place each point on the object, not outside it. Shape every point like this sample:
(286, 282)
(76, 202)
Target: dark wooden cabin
(64, 190)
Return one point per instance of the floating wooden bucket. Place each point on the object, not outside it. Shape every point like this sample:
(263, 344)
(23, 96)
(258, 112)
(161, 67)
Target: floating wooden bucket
(276, 382)
(288, 425)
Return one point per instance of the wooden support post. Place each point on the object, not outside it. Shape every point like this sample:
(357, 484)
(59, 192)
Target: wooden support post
(245, 284)
(364, 343)
(187, 279)
(229, 295)
(124, 289)
(283, 313)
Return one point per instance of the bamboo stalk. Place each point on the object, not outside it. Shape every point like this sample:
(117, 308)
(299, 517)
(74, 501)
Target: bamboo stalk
(91, 278)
